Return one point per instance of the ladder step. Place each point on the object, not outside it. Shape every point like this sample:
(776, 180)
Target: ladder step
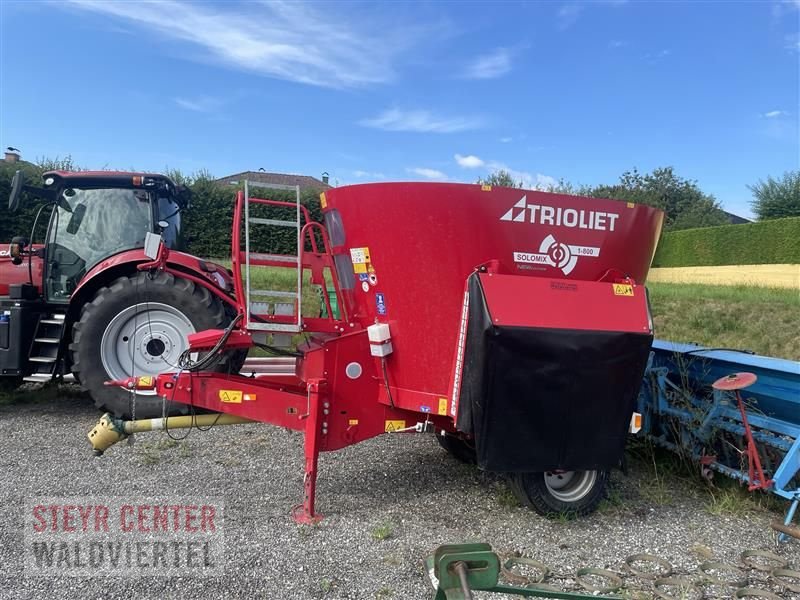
(46, 340)
(38, 378)
(43, 359)
(273, 257)
(52, 321)
(275, 293)
(278, 222)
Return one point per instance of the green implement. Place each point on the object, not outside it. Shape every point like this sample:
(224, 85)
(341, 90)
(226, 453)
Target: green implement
(456, 570)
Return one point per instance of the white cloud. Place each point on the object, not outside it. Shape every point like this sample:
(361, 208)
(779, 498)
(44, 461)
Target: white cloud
(617, 44)
(394, 119)
(202, 104)
(489, 66)
(469, 161)
(775, 113)
(531, 181)
(368, 175)
(427, 173)
(568, 15)
(506, 140)
(285, 40)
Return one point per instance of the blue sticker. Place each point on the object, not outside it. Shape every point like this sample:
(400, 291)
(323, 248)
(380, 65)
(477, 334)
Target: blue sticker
(380, 302)
(425, 409)
(363, 277)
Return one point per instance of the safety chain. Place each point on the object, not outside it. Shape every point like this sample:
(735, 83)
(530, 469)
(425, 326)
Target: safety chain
(648, 576)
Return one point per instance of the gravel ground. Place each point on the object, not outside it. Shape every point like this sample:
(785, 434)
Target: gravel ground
(403, 488)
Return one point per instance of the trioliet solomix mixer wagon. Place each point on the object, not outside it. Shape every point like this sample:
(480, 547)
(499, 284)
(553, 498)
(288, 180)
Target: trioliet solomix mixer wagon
(513, 323)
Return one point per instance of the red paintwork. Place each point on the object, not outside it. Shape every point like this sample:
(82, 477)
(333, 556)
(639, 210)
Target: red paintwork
(426, 238)
(176, 259)
(11, 273)
(735, 381)
(424, 241)
(545, 303)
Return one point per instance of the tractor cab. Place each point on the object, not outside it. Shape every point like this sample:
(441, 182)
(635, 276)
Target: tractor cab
(93, 216)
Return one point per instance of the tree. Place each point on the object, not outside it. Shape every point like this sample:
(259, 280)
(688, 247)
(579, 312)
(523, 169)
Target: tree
(501, 178)
(776, 198)
(685, 205)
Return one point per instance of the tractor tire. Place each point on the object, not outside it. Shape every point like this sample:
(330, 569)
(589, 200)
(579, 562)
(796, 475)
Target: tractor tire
(139, 325)
(560, 493)
(459, 448)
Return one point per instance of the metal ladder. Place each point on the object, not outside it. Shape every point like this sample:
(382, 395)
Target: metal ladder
(293, 308)
(44, 354)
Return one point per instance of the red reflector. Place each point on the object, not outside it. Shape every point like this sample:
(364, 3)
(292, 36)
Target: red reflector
(137, 180)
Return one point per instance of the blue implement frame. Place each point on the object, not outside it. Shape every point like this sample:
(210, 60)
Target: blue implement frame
(681, 411)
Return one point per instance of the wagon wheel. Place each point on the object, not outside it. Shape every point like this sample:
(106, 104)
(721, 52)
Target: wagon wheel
(555, 493)
(459, 448)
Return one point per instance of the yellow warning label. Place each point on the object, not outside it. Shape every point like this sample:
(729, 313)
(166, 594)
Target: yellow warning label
(442, 406)
(145, 381)
(360, 267)
(234, 396)
(352, 422)
(486, 188)
(631, 205)
(623, 289)
(394, 426)
(323, 201)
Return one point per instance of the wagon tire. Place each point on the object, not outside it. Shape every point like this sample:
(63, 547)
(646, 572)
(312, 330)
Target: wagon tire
(145, 319)
(560, 493)
(459, 448)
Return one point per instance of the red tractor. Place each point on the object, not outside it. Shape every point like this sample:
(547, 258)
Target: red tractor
(80, 301)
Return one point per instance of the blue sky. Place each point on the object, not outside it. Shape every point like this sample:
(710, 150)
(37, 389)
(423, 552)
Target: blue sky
(399, 91)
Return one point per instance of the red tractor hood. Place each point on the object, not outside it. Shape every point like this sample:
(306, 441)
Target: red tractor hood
(11, 273)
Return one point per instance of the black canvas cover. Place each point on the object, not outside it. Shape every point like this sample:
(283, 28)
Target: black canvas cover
(539, 399)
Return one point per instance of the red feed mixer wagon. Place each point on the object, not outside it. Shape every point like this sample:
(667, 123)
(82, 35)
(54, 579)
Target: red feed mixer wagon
(513, 323)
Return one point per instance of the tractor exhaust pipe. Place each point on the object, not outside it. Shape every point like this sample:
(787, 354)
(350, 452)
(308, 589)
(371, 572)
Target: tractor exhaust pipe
(110, 430)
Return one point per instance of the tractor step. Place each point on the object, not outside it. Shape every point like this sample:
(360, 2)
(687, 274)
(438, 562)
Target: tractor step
(38, 378)
(44, 355)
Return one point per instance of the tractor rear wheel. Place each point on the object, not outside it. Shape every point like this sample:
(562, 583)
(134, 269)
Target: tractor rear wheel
(560, 493)
(138, 326)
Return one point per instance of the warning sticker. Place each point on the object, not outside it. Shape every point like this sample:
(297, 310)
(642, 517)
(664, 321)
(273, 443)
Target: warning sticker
(231, 396)
(391, 426)
(359, 256)
(622, 289)
(380, 303)
(323, 201)
(359, 267)
(442, 406)
(363, 277)
(352, 422)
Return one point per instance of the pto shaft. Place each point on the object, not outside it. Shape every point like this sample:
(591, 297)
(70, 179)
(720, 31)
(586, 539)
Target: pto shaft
(110, 430)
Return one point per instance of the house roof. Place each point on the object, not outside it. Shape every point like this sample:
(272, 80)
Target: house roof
(735, 219)
(304, 181)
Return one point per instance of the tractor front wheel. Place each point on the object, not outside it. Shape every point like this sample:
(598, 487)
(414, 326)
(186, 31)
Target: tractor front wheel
(139, 326)
(557, 493)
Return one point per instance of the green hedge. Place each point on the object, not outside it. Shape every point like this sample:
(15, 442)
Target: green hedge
(776, 241)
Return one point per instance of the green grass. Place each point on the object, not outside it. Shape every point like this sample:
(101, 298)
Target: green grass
(764, 320)
(383, 531)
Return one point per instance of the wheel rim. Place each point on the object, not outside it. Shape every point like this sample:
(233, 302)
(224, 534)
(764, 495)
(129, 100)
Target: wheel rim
(569, 486)
(146, 338)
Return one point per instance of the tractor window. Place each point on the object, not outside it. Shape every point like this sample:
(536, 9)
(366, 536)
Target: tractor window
(98, 224)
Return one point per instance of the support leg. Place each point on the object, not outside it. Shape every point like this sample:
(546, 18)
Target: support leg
(315, 427)
(789, 517)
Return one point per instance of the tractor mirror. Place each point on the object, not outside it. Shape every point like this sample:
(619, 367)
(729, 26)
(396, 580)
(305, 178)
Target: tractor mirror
(17, 182)
(76, 219)
(16, 249)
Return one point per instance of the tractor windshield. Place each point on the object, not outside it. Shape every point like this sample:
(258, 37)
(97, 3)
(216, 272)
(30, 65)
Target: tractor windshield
(98, 224)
